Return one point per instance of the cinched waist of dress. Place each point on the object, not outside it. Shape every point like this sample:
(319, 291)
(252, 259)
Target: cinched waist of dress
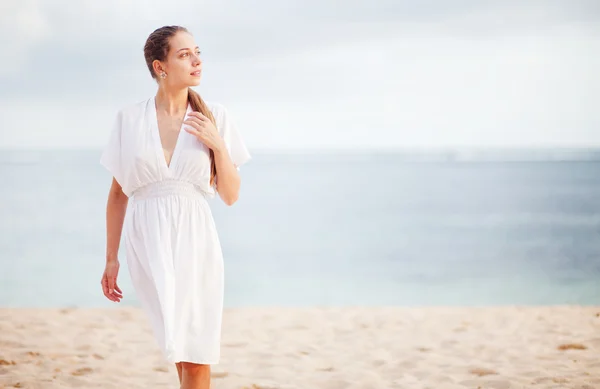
(168, 188)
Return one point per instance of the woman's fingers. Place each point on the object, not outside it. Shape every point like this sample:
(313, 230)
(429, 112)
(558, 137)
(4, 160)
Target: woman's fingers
(117, 292)
(197, 133)
(105, 289)
(111, 284)
(195, 122)
(104, 283)
(197, 115)
(192, 131)
(201, 127)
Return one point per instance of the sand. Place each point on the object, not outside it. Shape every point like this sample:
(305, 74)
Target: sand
(331, 348)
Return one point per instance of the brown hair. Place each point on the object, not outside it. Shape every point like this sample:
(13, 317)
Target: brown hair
(156, 48)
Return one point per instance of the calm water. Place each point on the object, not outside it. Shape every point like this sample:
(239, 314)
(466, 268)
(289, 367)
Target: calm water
(328, 229)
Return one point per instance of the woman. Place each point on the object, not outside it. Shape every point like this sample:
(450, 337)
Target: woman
(173, 251)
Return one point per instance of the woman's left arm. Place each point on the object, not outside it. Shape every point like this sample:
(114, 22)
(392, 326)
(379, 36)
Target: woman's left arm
(228, 178)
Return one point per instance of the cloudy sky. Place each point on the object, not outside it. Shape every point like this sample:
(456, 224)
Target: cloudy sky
(314, 74)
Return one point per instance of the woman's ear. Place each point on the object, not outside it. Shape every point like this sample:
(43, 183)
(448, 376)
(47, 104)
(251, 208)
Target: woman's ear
(157, 67)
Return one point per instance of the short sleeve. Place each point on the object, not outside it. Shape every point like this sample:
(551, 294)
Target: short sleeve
(238, 152)
(112, 154)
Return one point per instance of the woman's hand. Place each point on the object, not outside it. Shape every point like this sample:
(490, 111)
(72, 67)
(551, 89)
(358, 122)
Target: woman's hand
(109, 281)
(205, 131)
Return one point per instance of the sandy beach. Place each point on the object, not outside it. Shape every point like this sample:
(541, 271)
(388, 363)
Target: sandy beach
(330, 348)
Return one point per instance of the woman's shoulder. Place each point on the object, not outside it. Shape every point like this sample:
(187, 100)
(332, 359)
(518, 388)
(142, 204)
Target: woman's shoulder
(216, 108)
(135, 109)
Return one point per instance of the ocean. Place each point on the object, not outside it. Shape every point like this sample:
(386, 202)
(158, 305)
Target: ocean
(330, 229)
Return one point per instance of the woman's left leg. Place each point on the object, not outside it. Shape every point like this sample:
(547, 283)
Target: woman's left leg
(195, 376)
(178, 365)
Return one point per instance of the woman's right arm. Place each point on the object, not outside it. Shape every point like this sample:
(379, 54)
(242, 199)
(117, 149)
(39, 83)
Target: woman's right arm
(115, 215)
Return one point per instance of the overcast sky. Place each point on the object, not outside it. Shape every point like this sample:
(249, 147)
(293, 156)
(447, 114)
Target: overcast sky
(314, 74)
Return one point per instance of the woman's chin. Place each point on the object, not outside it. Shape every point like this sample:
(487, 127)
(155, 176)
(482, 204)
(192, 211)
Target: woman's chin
(195, 81)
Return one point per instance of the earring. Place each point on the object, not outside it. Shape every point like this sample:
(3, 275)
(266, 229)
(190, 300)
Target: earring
(163, 75)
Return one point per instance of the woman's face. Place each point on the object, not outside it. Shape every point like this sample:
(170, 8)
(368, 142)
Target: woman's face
(183, 65)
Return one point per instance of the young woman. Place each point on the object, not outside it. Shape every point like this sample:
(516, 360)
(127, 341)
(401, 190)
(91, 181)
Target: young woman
(169, 154)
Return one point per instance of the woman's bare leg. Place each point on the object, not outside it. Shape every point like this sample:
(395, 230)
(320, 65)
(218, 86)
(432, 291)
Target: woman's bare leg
(195, 376)
(178, 365)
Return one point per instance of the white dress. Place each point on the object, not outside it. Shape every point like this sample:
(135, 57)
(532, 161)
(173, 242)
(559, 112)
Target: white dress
(172, 247)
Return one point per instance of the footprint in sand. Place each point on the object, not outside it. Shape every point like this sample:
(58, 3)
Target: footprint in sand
(82, 371)
(326, 368)
(572, 346)
(478, 371)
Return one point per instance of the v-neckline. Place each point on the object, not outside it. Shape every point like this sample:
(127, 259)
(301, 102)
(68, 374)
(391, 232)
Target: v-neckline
(161, 152)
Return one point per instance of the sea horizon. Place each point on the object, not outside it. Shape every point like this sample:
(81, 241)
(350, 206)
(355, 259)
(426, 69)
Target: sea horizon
(331, 229)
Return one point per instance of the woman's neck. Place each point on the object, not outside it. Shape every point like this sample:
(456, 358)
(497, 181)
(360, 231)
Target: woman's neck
(171, 103)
